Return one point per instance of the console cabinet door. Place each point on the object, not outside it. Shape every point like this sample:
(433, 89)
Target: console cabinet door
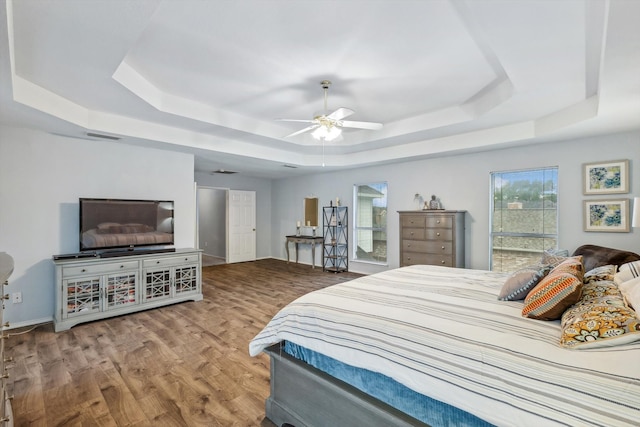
(120, 290)
(186, 279)
(81, 295)
(157, 283)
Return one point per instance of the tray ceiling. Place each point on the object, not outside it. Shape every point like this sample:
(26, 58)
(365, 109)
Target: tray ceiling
(211, 77)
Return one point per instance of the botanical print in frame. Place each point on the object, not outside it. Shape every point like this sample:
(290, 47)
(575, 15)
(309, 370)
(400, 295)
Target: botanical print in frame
(606, 215)
(606, 177)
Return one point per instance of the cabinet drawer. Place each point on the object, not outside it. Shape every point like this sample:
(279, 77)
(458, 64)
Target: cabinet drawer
(176, 260)
(411, 258)
(440, 221)
(101, 268)
(413, 233)
(426, 246)
(439, 234)
(416, 221)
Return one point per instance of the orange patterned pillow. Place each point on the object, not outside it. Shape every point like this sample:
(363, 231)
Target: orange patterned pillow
(572, 265)
(552, 296)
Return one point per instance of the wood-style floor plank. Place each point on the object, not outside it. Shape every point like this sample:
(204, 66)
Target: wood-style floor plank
(182, 365)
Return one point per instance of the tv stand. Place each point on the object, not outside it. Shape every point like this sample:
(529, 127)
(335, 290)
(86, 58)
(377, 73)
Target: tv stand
(99, 286)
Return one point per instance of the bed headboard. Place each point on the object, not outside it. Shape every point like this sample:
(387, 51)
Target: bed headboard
(594, 256)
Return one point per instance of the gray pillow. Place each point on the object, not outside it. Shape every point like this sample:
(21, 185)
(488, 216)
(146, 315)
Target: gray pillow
(519, 283)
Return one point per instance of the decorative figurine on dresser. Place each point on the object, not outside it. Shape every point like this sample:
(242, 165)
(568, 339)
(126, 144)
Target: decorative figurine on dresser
(6, 413)
(432, 236)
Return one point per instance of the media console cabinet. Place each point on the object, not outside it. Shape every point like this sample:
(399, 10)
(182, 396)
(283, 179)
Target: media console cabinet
(96, 288)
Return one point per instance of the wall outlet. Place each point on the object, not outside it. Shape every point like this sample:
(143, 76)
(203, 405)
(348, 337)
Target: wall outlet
(17, 297)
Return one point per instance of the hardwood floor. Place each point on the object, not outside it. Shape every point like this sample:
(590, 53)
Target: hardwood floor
(181, 365)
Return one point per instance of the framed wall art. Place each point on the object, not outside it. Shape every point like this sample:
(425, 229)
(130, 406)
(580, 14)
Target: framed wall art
(606, 177)
(606, 215)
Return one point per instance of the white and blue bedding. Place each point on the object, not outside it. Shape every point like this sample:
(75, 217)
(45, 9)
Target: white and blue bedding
(443, 333)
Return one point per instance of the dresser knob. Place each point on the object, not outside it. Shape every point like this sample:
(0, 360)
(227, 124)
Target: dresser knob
(443, 248)
(409, 245)
(122, 266)
(84, 270)
(437, 234)
(412, 233)
(442, 262)
(438, 222)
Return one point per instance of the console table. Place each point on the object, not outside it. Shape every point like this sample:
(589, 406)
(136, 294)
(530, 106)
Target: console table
(96, 288)
(307, 240)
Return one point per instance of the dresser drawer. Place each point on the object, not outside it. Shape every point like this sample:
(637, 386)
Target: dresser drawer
(417, 221)
(169, 261)
(413, 233)
(439, 234)
(412, 258)
(101, 268)
(426, 246)
(439, 221)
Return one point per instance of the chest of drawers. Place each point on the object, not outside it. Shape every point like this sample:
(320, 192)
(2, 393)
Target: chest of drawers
(432, 237)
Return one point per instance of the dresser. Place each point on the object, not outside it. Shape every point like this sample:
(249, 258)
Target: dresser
(432, 237)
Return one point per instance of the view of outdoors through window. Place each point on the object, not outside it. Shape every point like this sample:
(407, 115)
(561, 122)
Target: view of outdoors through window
(370, 222)
(524, 217)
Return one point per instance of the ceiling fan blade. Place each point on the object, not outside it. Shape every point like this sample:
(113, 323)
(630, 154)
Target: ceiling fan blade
(308, 128)
(295, 120)
(340, 114)
(361, 125)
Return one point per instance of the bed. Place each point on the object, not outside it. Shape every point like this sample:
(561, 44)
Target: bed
(429, 345)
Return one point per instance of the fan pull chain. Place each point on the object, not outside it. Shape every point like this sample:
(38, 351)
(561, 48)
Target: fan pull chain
(322, 152)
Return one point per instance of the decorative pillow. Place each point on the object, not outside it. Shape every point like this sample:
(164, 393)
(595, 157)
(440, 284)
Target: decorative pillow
(554, 257)
(595, 256)
(571, 265)
(519, 283)
(600, 291)
(106, 225)
(605, 272)
(599, 319)
(631, 292)
(552, 296)
(627, 272)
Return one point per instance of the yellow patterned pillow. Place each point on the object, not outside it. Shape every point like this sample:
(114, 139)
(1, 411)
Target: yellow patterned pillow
(599, 319)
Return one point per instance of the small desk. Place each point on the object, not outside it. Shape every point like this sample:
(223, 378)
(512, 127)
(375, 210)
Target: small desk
(307, 240)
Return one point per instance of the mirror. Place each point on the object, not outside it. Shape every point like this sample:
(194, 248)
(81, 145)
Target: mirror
(311, 211)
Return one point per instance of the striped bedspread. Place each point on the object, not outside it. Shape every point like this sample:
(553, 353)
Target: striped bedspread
(443, 333)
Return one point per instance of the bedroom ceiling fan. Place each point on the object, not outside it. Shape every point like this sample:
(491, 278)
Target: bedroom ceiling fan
(327, 126)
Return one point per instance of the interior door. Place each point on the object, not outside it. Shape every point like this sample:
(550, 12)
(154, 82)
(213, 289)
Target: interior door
(241, 226)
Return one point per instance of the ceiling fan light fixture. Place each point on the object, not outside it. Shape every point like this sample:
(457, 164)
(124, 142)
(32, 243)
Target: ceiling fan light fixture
(326, 133)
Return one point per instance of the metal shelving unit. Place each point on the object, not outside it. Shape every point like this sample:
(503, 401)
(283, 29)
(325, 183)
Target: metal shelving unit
(335, 246)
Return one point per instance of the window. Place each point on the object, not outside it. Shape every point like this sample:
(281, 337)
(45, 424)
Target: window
(370, 230)
(524, 217)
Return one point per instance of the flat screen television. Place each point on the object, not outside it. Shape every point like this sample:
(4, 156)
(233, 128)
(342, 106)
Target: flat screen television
(125, 224)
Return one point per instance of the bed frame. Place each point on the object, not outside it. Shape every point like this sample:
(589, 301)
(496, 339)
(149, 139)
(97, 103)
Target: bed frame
(303, 396)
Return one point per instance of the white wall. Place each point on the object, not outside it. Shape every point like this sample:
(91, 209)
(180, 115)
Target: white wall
(41, 178)
(262, 187)
(462, 182)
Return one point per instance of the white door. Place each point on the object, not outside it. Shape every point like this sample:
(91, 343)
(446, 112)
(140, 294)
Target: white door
(241, 226)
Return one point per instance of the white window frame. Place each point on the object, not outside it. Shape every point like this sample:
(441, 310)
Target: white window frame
(543, 235)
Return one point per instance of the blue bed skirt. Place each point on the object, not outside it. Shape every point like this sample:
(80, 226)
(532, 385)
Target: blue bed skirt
(387, 390)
